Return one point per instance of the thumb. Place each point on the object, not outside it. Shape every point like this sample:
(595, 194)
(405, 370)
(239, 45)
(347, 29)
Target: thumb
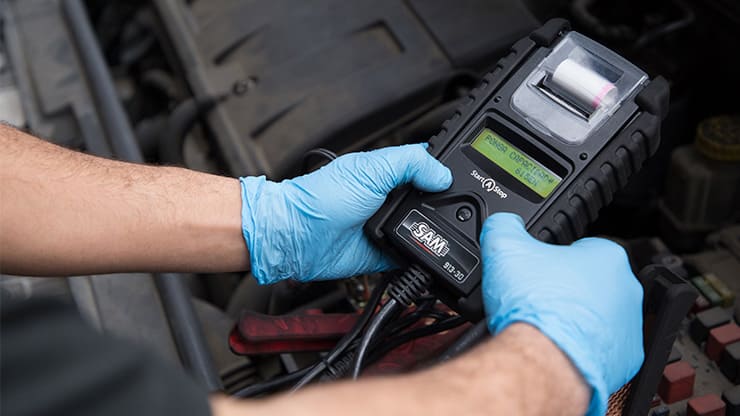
(501, 229)
(411, 164)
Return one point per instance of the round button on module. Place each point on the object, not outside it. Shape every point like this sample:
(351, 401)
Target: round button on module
(464, 214)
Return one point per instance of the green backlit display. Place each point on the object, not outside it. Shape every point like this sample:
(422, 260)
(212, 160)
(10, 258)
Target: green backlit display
(528, 171)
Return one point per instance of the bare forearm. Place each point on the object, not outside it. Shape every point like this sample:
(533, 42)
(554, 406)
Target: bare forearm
(64, 212)
(520, 372)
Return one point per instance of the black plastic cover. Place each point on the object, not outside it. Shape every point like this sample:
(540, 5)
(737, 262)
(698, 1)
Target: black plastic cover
(668, 298)
(328, 73)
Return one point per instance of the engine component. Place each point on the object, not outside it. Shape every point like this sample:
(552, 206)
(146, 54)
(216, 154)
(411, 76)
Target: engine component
(703, 188)
(707, 340)
(721, 260)
(310, 331)
(329, 73)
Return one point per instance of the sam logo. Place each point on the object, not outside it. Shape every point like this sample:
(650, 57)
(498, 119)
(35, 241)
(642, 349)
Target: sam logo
(429, 239)
(488, 184)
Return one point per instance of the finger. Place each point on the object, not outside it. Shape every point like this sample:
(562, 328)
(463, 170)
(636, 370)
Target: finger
(379, 262)
(368, 259)
(411, 164)
(501, 229)
(607, 248)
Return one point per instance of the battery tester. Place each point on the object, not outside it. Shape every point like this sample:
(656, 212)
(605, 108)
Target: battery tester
(550, 134)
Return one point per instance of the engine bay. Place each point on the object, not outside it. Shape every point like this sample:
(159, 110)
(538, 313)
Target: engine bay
(280, 88)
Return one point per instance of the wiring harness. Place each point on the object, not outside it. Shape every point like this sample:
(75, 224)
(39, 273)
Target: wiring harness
(375, 334)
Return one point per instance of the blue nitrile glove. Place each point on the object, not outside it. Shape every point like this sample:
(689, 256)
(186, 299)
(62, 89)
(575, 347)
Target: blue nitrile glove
(584, 297)
(310, 227)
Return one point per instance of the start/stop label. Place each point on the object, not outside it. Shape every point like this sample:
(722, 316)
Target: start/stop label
(421, 234)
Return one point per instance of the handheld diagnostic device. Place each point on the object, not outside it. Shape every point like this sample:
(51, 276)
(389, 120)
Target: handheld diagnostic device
(558, 127)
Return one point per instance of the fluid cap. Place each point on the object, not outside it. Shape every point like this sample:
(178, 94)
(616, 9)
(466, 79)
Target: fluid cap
(718, 138)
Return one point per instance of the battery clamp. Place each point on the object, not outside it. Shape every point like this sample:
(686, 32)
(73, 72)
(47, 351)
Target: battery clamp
(551, 134)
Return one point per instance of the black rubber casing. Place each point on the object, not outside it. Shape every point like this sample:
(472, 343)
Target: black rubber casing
(668, 299)
(592, 172)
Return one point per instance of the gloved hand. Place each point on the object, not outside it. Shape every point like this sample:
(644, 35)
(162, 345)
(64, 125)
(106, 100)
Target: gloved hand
(310, 227)
(584, 297)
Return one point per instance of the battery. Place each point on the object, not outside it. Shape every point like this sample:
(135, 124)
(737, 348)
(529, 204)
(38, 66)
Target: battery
(587, 88)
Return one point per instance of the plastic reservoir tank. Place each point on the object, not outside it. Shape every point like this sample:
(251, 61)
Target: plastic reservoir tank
(702, 190)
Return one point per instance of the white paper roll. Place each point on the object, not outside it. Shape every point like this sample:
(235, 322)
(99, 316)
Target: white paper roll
(590, 89)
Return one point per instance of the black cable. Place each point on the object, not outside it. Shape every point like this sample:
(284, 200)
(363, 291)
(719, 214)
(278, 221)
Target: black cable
(410, 286)
(450, 322)
(179, 123)
(425, 331)
(581, 12)
(438, 315)
(272, 384)
(404, 291)
(685, 21)
(307, 374)
(319, 152)
(406, 288)
(387, 312)
(338, 361)
(343, 365)
(413, 317)
(348, 338)
(467, 340)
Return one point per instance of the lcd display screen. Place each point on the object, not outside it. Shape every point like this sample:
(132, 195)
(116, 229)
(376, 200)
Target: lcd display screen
(515, 162)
